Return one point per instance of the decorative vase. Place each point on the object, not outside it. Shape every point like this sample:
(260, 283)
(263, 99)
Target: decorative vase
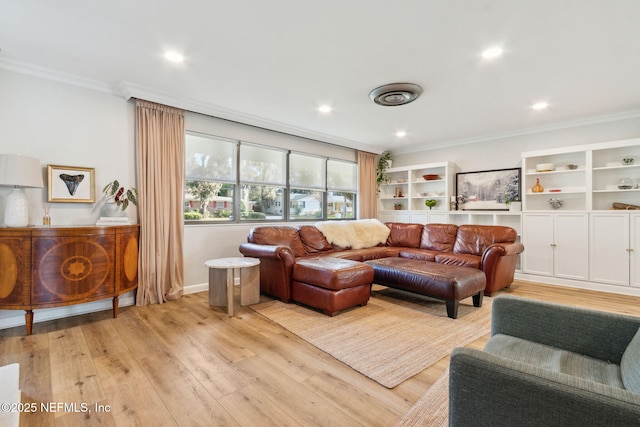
(515, 206)
(538, 188)
(110, 209)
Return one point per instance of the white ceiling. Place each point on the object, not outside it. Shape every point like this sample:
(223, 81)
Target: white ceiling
(272, 63)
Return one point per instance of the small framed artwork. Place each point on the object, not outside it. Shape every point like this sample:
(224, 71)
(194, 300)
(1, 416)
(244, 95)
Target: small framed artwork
(489, 190)
(70, 184)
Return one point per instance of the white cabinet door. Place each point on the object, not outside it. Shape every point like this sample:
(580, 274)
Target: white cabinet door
(571, 246)
(609, 248)
(537, 237)
(635, 250)
(556, 245)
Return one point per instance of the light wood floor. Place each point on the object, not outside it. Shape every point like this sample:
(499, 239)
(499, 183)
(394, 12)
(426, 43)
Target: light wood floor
(184, 363)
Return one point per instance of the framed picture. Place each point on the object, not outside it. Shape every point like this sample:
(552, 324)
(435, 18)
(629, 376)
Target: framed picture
(487, 190)
(71, 184)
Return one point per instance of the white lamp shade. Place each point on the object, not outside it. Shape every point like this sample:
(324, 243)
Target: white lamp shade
(18, 172)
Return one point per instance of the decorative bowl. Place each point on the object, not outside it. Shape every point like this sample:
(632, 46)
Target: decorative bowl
(545, 167)
(625, 184)
(556, 203)
(628, 160)
(431, 176)
(571, 166)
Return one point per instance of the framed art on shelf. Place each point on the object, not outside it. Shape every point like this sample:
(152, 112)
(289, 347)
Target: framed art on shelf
(487, 190)
(70, 184)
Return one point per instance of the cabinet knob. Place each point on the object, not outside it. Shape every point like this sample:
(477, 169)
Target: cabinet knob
(553, 244)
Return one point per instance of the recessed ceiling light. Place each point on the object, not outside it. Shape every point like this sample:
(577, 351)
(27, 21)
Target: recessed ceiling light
(401, 134)
(540, 106)
(173, 56)
(325, 109)
(492, 53)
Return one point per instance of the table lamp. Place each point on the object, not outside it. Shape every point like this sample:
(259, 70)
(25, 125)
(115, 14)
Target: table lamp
(19, 172)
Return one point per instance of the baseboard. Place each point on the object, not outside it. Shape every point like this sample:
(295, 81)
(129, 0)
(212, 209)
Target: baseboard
(13, 318)
(602, 287)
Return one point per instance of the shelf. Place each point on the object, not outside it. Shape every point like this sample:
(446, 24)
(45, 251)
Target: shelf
(617, 167)
(557, 193)
(553, 172)
(616, 190)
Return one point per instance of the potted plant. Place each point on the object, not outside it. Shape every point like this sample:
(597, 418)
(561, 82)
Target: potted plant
(514, 204)
(430, 203)
(397, 206)
(384, 162)
(118, 195)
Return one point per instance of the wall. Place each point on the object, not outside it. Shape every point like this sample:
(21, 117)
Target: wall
(502, 153)
(66, 125)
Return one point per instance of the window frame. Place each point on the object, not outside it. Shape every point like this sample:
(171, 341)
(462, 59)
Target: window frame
(286, 187)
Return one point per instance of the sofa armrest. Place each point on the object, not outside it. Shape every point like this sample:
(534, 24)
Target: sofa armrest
(276, 267)
(488, 390)
(596, 334)
(499, 264)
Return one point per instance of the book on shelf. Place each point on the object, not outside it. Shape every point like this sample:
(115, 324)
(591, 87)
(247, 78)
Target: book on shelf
(113, 220)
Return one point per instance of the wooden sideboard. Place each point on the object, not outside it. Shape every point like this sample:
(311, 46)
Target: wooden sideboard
(43, 267)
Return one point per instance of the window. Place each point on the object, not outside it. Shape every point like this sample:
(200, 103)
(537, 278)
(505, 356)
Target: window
(341, 189)
(210, 172)
(307, 185)
(234, 181)
(263, 173)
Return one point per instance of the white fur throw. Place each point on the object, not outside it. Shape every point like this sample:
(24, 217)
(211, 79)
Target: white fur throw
(363, 233)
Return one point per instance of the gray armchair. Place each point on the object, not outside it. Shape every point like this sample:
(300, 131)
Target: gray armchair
(548, 365)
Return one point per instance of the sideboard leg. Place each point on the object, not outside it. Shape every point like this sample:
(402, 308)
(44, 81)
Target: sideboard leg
(115, 306)
(28, 320)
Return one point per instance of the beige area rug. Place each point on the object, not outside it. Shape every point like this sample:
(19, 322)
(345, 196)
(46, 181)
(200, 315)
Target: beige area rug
(394, 337)
(432, 409)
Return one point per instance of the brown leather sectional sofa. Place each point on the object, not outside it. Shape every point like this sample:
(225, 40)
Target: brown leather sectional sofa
(491, 249)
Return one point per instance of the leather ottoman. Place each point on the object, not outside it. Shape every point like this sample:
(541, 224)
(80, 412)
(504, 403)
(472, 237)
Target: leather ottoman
(331, 284)
(451, 283)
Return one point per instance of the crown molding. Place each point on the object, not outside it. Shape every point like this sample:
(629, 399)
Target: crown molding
(631, 114)
(57, 76)
(132, 90)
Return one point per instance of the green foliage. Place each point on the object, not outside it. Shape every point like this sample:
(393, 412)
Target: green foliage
(222, 213)
(381, 176)
(192, 216)
(430, 203)
(203, 192)
(120, 196)
(253, 215)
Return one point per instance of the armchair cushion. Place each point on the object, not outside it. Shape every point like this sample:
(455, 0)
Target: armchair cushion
(555, 359)
(630, 365)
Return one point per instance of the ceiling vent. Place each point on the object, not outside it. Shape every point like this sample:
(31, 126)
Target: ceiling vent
(395, 94)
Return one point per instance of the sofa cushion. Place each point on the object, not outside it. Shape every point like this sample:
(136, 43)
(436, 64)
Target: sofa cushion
(313, 240)
(278, 235)
(439, 237)
(555, 360)
(474, 239)
(375, 252)
(332, 273)
(404, 235)
(419, 254)
(630, 365)
(464, 260)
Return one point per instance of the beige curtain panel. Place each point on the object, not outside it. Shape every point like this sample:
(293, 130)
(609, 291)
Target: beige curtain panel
(368, 204)
(160, 175)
